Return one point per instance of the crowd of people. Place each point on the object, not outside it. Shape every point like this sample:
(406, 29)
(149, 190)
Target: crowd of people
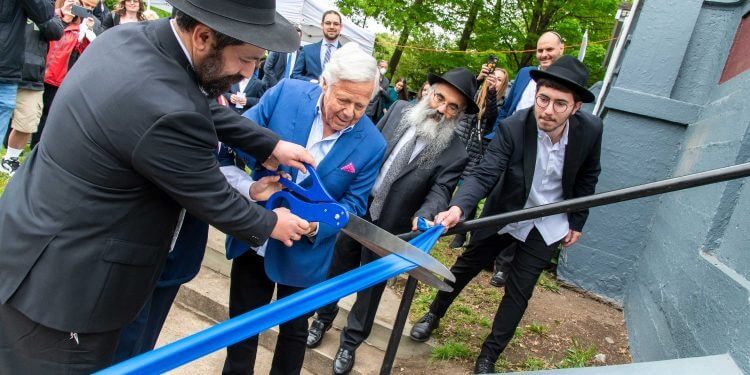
(99, 231)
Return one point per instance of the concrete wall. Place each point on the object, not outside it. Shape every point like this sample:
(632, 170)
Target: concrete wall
(679, 263)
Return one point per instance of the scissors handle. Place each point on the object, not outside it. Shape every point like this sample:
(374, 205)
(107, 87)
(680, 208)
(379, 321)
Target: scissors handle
(332, 214)
(316, 192)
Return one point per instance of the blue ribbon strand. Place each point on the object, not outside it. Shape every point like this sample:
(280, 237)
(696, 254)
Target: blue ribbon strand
(254, 322)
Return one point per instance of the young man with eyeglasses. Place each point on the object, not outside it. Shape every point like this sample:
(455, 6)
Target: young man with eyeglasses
(541, 155)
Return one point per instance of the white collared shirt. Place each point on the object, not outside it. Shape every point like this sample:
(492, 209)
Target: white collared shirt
(243, 84)
(406, 137)
(528, 97)
(546, 188)
(324, 48)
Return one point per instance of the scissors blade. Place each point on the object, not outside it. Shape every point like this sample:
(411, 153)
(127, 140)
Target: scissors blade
(384, 243)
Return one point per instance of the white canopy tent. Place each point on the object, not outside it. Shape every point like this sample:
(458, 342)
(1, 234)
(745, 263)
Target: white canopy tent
(308, 13)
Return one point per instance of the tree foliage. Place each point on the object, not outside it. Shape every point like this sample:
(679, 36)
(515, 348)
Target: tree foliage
(476, 29)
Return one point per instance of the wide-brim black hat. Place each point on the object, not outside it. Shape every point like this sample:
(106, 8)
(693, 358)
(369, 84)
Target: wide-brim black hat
(251, 21)
(462, 80)
(570, 72)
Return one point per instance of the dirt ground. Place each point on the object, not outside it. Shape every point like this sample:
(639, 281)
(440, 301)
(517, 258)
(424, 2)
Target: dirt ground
(561, 328)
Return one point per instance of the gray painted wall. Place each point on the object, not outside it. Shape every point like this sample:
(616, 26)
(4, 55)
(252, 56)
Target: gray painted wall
(679, 263)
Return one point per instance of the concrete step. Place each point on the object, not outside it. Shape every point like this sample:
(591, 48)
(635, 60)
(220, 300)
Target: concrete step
(208, 294)
(183, 321)
(215, 259)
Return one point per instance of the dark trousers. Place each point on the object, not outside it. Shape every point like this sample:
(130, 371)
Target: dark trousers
(140, 335)
(49, 94)
(250, 288)
(347, 255)
(27, 347)
(530, 259)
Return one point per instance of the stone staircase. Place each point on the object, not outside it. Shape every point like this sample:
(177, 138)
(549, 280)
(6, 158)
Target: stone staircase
(208, 295)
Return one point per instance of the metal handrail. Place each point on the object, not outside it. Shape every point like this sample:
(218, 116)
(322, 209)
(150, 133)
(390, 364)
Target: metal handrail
(567, 206)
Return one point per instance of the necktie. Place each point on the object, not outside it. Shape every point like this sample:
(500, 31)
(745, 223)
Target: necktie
(397, 166)
(327, 57)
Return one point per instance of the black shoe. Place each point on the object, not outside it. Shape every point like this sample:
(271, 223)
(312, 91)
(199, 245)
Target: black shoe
(343, 362)
(315, 333)
(423, 329)
(484, 365)
(9, 166)
(499, 278)
(458, 241)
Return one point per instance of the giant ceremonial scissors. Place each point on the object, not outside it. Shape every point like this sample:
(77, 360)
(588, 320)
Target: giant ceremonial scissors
(314, 204)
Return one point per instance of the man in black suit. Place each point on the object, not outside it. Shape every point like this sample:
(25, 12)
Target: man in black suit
(541, 155)
(423, 162)
(88, 220)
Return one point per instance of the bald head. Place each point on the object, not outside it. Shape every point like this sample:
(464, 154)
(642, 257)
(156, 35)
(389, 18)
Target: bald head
(549, 48)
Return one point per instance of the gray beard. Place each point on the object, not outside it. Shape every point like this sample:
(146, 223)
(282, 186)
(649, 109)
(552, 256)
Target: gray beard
(431, 127)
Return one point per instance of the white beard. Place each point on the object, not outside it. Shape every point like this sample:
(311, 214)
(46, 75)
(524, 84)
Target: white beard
(431, 127)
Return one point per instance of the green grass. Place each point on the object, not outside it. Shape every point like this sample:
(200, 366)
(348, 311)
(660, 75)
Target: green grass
(537, 329)
(532, 363)
(548, 283)
(452, 350)
(578, 355)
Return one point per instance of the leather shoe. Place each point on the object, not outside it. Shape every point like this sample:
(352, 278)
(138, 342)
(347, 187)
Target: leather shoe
(315, 333)
(458, 241)
(423, 329)
(484, 365)
(343, 362)
(499, 278)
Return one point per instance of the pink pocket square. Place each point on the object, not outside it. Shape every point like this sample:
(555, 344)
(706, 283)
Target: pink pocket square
(349, 168)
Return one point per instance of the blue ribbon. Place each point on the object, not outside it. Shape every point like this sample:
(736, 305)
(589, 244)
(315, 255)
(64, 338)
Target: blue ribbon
(254, 322)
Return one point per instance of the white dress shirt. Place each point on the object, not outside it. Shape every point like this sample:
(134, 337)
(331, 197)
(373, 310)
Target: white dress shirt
(406, 137)
(546, 188)
(528, 97)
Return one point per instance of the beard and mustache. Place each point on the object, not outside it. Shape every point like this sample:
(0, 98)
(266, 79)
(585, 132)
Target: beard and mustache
(431, 126)
(209, 75)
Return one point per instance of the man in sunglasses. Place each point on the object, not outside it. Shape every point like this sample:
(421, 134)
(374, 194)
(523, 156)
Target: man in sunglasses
(541, 155)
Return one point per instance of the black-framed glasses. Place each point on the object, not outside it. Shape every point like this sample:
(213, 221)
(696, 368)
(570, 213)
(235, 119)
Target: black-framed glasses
(558, 106)
(439, 99)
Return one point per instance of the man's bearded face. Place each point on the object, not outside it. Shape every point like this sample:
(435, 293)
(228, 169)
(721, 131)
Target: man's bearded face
(210, 76)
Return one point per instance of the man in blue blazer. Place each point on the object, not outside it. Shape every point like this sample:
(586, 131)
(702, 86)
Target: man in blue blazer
(328, 120)
(312, 59)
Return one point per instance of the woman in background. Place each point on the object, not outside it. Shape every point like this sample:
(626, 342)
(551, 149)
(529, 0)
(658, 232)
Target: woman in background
(63, 53)
(126, 11)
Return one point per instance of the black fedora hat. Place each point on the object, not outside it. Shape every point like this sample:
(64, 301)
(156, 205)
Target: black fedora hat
(251, 21)
(570, 72)
(462, 80)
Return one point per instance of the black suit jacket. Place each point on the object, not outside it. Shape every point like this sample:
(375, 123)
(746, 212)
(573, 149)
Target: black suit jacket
(87, 222)
(253, 91)
(506, 172)
(418, 191)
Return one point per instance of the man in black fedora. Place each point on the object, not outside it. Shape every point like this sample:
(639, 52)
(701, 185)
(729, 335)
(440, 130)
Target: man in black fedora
(541, 155)
(423, 161)
(89, 219)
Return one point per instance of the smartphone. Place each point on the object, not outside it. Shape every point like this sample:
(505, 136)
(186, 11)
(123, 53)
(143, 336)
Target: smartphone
(491, 62)
(81, 11)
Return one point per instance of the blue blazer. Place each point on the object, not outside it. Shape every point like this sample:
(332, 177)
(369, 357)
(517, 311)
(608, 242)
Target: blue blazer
(308, 65)
(514, 96)
(289, 109)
